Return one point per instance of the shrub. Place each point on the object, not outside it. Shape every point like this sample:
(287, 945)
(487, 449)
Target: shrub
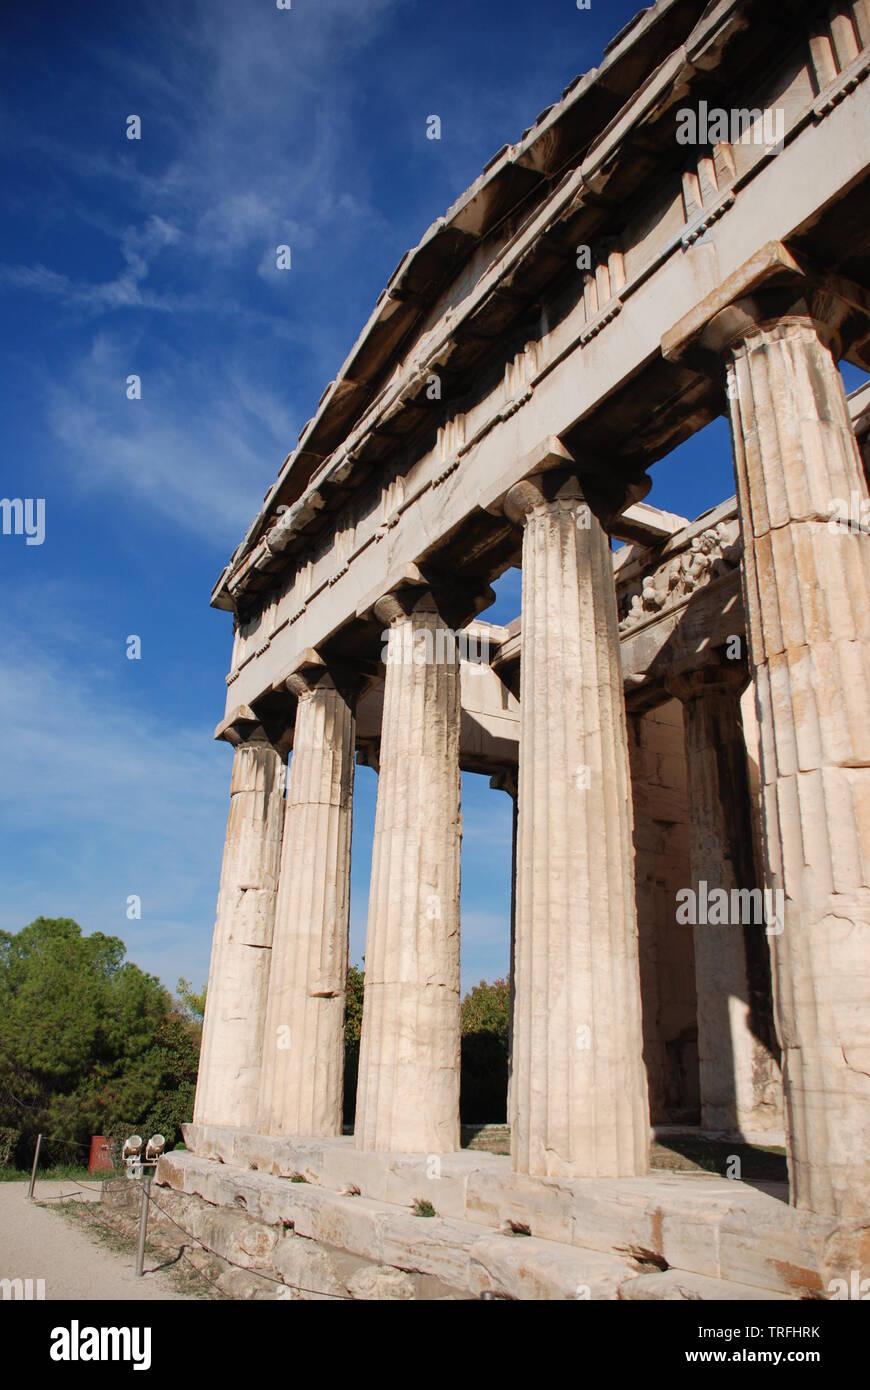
(9, 1138)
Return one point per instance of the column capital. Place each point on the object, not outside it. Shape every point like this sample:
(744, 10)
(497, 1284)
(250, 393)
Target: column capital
(772, 314)
(506, 780)
(308, 672)
(316, 677)
(558, 489)
(402, 602)
(314, 672)
(775, 290)
(609, 487)
(450, 597)
(368, 755)
(604, 493)
(241, 726)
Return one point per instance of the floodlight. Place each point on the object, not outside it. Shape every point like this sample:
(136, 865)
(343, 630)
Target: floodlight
(156, 1145)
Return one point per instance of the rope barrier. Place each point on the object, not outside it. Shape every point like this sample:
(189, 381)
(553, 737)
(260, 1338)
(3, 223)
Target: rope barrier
(257, 1273)
(62, 1196)
(70, 1143)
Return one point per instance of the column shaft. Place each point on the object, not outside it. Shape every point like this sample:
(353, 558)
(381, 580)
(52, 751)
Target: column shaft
(578, 1092)
(408, 1091)
(303, 1057)
(232, 1038)
(807, 588)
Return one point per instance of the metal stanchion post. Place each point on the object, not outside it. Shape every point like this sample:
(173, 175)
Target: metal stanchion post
(145, 1196)
(33, 1170)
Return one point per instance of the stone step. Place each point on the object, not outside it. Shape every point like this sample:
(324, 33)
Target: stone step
(460, 1253)
(696, 1222)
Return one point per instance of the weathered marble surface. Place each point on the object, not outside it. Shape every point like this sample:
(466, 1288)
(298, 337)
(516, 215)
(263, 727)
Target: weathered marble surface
(807, 589)
(232, 1040)
(701, 1225)
(408, 1088)
(301, 1087)
(578, 1090)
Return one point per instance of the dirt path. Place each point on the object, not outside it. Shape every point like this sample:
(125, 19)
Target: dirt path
(39, 1242)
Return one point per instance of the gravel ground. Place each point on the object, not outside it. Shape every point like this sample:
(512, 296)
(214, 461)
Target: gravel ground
(38, 1242)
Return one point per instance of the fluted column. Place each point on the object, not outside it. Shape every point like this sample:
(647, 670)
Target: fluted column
(807, 592)
(238, 980)
(578, 1092)
(741, 1084)
(408, 1090)
(303, 1055)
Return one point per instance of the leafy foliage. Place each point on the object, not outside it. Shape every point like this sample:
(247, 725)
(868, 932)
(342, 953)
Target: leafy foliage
(487, 1009)
(485, 1015)
(89, 1043)
(192, 1003)
(352, 1030)
(8, 1144)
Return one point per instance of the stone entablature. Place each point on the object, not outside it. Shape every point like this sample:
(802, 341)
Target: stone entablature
(313, 609)
(667, 223)
(655, 584)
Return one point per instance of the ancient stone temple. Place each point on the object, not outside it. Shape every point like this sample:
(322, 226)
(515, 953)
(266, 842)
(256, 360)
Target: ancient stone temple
(682, 720)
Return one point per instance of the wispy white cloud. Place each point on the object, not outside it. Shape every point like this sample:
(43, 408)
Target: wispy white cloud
(237, 169)
(190, 219)
(139, 247)
(199, 447)
(108, 799)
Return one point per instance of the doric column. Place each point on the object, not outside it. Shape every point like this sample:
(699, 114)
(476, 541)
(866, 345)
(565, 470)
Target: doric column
(238, 980)
(408, 1091)
(807, 591)
(303, 1055)
(578, 1093)
(741, 1085)
(507, 780)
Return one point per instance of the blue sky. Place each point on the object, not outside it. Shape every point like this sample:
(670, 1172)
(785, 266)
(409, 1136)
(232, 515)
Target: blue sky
(157, 258)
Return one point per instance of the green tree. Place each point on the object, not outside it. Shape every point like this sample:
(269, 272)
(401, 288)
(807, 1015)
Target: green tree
(89, 1043)
(485, 1020)
(352, 1029)
(486, 1008)
(192, 1003)
(175, 1057)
